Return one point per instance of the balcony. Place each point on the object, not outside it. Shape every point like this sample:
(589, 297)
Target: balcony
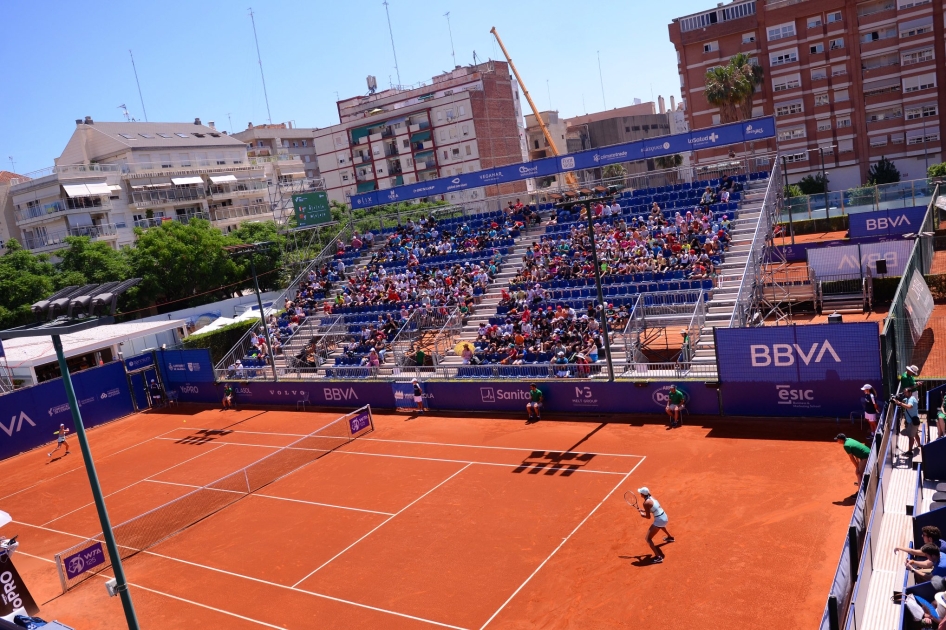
(40, 239)
(74, 170)
(194, 167)
(231, 213)
(149, 198)
(894, 120)
(876, 12)
(249, 189)
(61, 207)
(184, 218)
(883, 68)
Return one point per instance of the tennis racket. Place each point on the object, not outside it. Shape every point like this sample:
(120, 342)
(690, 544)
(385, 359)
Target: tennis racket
(631, 497)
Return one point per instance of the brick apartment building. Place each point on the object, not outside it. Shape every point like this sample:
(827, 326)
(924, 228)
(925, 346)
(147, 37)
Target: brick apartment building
(858, 76)
(463, 121)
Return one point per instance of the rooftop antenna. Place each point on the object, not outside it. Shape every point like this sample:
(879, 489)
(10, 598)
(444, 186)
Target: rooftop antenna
(231, 123)
(450, 30)
(125, 111)
(140, 97)
(601, 78)
(475, 62)
(269, 115)
(12, 164)
(549, 90)
(391, 33)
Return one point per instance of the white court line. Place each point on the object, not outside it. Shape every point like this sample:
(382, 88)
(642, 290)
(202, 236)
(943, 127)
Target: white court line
(148, 478)
(380, 525)
(561, 465)
(300, 590)
(502, 448)
(565, 540)
(72, 470)
(270, 496)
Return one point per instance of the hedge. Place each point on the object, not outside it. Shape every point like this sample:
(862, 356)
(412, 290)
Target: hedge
(221, 340)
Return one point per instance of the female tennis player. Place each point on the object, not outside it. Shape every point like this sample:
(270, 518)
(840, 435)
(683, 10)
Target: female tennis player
(652, 507)
(60, 440)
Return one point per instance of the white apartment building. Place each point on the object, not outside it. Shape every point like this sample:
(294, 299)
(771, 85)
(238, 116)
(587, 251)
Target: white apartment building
(282, 139)
(115, 176)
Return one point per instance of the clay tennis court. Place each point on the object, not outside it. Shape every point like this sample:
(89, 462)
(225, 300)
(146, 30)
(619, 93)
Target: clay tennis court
(449, 522)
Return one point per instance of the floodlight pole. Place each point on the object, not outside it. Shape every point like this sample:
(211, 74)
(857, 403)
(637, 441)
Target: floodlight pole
(262, 318)
(121, 584)
(604, 305)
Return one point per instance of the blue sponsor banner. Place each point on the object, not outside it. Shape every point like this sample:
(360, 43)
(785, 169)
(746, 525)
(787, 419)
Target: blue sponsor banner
(861, 257)
(723, 135)
(186, 366)
(892, 222)
(28, 417)
(799, 251)
(139, 362)
(403, 396)
(288, 393)
(814, 370)
(2, 355)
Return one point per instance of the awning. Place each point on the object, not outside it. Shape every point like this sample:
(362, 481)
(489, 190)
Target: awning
(86, 190)
(180, 181)
(115, 188)
(295, 174)
(220, 179)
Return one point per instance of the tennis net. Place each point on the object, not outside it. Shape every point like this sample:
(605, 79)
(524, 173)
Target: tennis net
(89, 557)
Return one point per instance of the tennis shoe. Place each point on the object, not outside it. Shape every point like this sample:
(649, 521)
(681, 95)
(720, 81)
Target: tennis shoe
(669, 539)
(658, 559)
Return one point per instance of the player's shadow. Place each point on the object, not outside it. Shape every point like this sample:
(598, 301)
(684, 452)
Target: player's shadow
(56, 458)
(553, 462)
(644, 560)
(847, 501)
(203, 436)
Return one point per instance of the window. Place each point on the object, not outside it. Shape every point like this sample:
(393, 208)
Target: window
(834, 17)
(165, 160)
(797, 157)
(789, 82)
(405, 143)
(146, 136)
(922, 111)
(465, 130)
(919, 82)
(536, 143)
(716, 119)
(783, 57)
(710, 47)
(824, 125)
(305, 143)
(443, 134)
(456, 152)
(821, 99)
(819, 74)
(184, 135)
(814, 22)
(127, 136)
(816, 49)
(916, 136)
(845, 146)
(218, 157)
(748, 38)
(916, 27)
(184, 159)
(439, 115)
(445, 154)
(344, 177)
(837, 71)
(844, 121)
(462, 110)
(453, 132)
(305, 158)
(410, 161)
(884, 114)
(791, 134)
(907, 4)
(836, 44)
(295, 144)
(788, 109)
(781, 31)
(841, 96)
(878, 141)
(165, 135)
(916, 56)
(469, 150)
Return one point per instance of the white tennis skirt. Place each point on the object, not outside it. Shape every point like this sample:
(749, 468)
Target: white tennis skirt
(661, 521)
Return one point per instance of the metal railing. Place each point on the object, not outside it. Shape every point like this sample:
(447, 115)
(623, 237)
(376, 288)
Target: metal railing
(228, 213)
(752, 274)
(446, 338)
(917, 192)
(41, 239)
(243, 346)
(695, 328)
(174, 194)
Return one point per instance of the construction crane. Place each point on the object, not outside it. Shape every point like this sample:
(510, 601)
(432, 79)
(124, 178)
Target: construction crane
(569, 176)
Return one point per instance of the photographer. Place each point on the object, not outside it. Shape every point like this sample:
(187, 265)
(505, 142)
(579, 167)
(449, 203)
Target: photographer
(911, 406)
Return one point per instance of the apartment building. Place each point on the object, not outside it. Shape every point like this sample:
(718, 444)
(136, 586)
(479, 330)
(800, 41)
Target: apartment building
(465, 120)
(856, 78)
(282, 139)
(115, 176)
(7, 220)
(537, 144)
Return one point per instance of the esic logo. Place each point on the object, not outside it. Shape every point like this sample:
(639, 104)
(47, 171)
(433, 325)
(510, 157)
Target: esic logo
(662, 396)
(885, 223)
(491, 395)
(789, 396)
(783, 354)
(568, 162)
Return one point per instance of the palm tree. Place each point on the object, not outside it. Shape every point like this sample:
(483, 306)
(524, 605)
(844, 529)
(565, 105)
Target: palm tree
(731, 88)
(668, 162)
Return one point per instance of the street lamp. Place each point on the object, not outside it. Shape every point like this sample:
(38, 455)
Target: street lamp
(604, 305)
(791, 224)
(824, 177)
(250, 250)
(70, 310)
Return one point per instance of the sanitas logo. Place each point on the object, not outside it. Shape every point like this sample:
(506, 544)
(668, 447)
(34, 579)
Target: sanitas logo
(488, 394)
(783, 354)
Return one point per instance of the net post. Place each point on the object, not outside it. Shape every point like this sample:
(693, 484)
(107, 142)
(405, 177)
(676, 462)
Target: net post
(62, 577)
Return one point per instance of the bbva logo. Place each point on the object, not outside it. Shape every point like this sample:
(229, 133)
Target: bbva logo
(340, 393)
(9, 430)
(885, 223)
(783, 354)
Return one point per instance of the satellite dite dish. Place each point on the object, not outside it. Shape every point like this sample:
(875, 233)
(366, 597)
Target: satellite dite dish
(4, 518)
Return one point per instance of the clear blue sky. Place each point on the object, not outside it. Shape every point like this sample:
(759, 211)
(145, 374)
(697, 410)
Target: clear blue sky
(66, 60)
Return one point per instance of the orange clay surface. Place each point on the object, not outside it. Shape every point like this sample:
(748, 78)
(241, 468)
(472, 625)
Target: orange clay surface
(432, 522)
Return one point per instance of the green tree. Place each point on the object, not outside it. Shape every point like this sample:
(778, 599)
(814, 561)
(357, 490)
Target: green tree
(614, 171)
(936, 170)
(177, 261)
(792, 190)
(883, 172)
(267, 263)
(25, 278)
(813, 184)
(94, 261)
(731, 88)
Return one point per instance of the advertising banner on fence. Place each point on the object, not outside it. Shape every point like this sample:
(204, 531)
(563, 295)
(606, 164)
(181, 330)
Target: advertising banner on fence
(13, 592)
(849, 260)
(799, 251)
(891, 222)
(919, 305)
(186, 366)
(138, 362)
(31, 415)
(815, 370)
(403, 396)
(723, 135)
(288, 393)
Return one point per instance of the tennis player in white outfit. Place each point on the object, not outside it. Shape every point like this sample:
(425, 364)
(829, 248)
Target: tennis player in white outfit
(652, 508)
